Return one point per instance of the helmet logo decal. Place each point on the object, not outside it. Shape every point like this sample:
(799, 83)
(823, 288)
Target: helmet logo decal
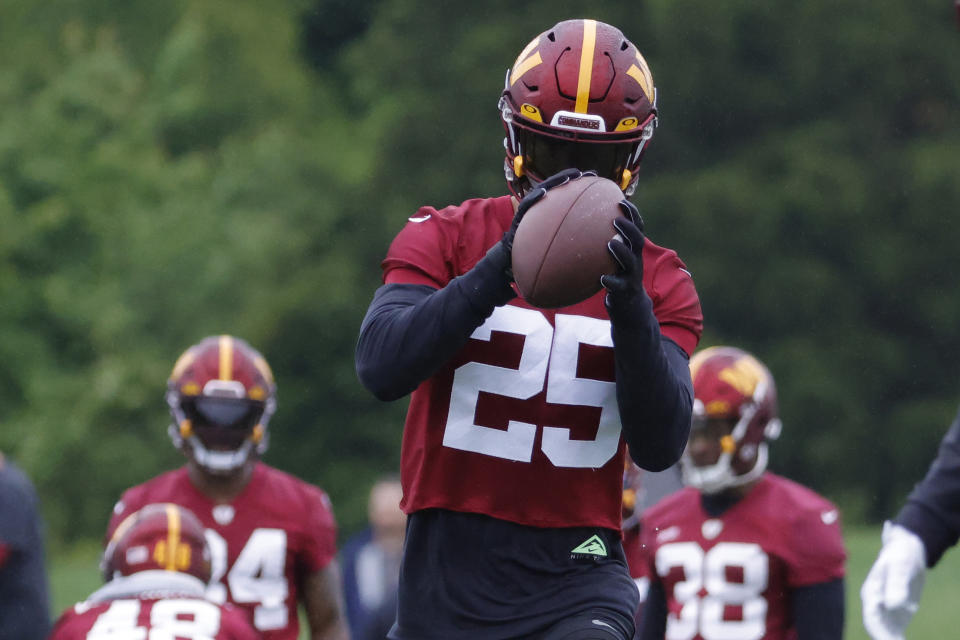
(744, 375)
(226, 357)
(586, 65)
(531, 112)
(525, 63)
(643, 76)
(171, 554)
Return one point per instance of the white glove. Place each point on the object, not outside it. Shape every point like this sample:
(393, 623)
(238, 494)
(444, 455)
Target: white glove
(891, 593)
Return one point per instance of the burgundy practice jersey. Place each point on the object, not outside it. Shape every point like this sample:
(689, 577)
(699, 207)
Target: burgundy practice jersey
(731, 576)
(263, 543)
(522, 424)
(175, 618)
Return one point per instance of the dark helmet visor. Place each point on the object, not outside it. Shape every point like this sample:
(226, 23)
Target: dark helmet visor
(232, 413)
(545, 155)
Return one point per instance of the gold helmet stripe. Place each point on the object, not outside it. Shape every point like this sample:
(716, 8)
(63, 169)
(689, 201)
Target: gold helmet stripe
(586, 65)
(173, 537)
(698, 359)
(226, 358)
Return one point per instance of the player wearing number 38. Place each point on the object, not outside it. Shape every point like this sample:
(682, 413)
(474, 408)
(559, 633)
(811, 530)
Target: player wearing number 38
(157, 566)
(514, 442)
(272, 536)
(740, 553)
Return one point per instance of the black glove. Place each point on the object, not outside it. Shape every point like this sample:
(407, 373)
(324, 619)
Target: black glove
(502, 252)
(624, 285)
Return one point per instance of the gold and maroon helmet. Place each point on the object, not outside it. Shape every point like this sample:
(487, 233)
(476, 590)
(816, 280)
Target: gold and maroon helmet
(731, 384)
(579, 95)
(158, 537)
(221, 395)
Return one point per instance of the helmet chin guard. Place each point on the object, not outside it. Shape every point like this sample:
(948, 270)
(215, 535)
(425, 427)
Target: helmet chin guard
(216, 462)
(719, 477)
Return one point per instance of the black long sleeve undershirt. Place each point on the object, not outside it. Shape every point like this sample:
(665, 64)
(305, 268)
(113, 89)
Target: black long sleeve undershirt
(410, 331)
(931, 508)
(654, 390)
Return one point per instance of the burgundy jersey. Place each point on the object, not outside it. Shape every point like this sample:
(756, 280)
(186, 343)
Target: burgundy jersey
(179, 618)
(278, 530)
(522, 424)
(731, 576)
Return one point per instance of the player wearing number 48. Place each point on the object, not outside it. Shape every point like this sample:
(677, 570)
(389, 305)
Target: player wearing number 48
(519, 417)
(272, 536)
(157, 566)
(741, 552)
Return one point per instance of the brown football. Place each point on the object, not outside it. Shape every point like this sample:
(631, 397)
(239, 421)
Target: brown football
(560, 248)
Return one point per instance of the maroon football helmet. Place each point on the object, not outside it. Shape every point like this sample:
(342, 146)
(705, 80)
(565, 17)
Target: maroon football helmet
(580, 95)
(221, 395)
(158, 537)
(730, 384)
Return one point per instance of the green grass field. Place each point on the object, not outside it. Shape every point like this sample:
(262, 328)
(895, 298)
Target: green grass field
(74, 574)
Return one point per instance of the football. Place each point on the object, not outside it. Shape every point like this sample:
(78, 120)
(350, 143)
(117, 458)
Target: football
(560, 248)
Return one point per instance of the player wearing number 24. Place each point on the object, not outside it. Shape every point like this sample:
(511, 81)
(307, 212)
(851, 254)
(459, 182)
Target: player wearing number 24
(272, 536)
(156, 566)
(519, 419)
(740, 552)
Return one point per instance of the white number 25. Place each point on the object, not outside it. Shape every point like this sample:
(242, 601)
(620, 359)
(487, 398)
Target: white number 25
(549, 357)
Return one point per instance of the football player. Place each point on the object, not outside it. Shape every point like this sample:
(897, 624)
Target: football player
(927, 525)
(272, 535)
(514, 443)
(157, 565)
(740, 552)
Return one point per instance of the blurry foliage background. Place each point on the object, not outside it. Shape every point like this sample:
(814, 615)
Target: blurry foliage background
(178, 169)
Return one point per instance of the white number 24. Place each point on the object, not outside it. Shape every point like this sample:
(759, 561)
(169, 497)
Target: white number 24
(549, 357)
(256, 576)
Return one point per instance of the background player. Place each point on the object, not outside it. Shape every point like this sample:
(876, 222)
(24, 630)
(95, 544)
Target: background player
(927, 525)
(273, 536)
(741, 553)
(513, 448)
(157, 566)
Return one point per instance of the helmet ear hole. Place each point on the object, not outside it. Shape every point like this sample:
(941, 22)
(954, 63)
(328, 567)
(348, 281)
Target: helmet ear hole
(257, 435)
(186, 429)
